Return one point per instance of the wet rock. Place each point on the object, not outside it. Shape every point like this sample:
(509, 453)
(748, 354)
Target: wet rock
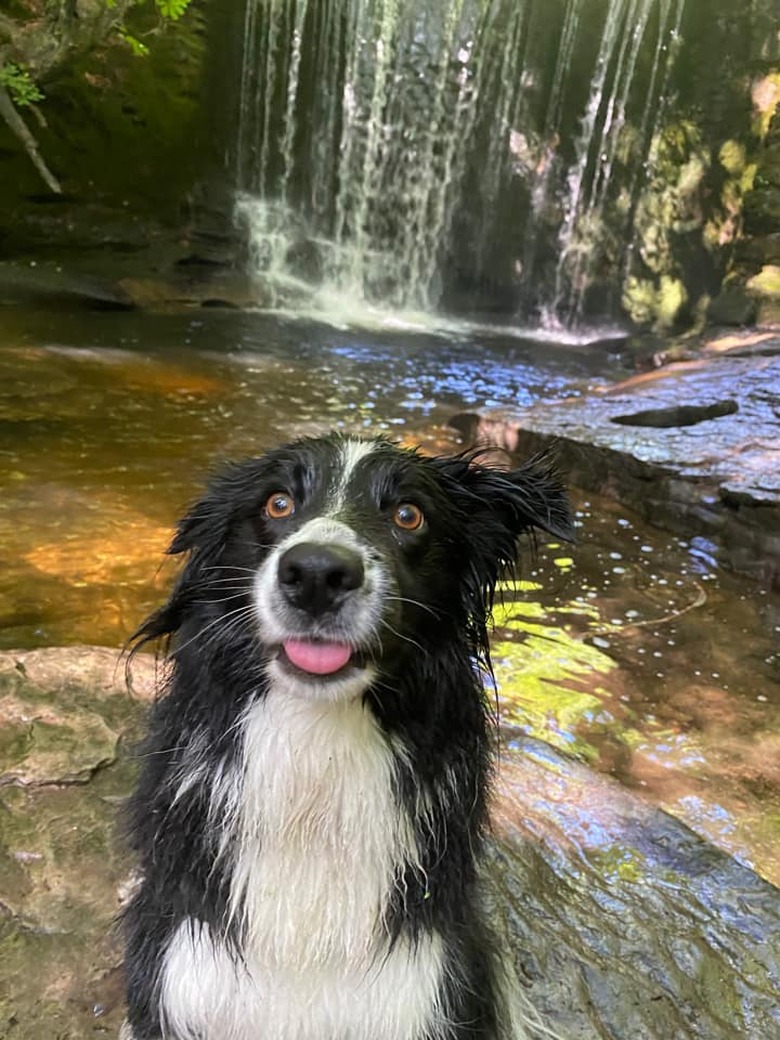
(83, 674)
(734, 306)
(62, 712)
(624, 923)
(681, 415)
(42, 744)
(61, 865)
(718, 479)
(48, 285)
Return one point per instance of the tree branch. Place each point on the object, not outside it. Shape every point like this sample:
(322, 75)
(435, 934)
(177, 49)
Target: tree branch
(10, 115)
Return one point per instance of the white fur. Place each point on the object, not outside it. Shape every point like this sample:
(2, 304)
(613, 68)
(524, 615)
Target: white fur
(352, 452)
(359, 622)
(319, 834)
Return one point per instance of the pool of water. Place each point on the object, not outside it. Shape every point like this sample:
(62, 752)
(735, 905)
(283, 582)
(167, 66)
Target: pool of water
(632, 649)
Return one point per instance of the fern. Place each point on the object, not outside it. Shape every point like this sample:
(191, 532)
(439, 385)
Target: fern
(139, 49)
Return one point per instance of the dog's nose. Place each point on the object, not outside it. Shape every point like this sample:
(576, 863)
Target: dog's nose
(317, 578)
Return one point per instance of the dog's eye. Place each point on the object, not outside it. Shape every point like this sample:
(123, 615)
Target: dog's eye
(279, 506)
(408, 517)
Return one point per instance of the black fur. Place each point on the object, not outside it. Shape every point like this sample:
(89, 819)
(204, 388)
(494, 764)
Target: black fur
(428, 693)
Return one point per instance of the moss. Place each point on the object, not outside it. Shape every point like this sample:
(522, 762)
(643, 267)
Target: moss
(671, 298)
(732, 157)
(121, 130)
(659, 306)
(639, 299)
(766, 282)
(619, 863)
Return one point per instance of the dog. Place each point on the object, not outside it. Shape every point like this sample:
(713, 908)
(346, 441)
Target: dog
(313, 798)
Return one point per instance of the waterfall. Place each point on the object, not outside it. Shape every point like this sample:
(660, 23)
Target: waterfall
(454, 153)
(590, 178)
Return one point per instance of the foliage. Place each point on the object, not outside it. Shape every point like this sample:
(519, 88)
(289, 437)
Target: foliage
(51, 34)
(172, 9)
(19, 84)
(138, 47)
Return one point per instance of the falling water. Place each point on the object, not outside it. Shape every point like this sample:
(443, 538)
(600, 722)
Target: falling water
(590, 181)
(410, 154)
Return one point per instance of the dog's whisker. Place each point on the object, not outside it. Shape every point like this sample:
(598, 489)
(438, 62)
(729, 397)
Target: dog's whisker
(404, 638)
(242, 611)
(414, 603)
(224, 599)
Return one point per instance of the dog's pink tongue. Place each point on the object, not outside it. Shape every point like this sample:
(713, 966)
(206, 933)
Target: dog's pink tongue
(317, 658)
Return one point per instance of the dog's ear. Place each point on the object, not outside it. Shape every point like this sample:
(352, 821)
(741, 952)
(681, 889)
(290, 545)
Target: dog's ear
(203, 534)
(204, 528)
(519, 500)
(528, 497)
(494, 507)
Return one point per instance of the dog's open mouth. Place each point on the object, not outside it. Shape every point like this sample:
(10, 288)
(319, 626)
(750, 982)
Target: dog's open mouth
(317, 658)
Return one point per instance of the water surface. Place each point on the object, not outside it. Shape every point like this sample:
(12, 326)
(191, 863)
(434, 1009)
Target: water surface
(632, 649)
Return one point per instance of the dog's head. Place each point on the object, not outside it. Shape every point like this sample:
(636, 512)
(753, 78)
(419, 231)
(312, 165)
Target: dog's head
(343, 556)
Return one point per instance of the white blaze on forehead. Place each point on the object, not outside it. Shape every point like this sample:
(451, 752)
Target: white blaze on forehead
(352, 451)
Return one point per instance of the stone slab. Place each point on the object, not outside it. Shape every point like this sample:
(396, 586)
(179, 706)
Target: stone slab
(693, 447)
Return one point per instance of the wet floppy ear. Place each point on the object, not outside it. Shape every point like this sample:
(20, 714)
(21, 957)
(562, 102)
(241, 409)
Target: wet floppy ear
(494, 508)
(508, 502)
(525, 498)
(203, 530)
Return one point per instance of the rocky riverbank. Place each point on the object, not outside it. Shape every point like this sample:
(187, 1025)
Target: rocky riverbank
(624, 922)
(692, 446)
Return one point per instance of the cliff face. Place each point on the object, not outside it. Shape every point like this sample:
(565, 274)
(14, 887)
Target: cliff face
(113, 143)
(473, 183)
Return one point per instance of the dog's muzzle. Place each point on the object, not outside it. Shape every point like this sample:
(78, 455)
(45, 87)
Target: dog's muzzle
(318, 578)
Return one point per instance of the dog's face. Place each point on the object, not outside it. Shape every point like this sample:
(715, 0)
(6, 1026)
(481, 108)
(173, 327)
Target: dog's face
(349, 553)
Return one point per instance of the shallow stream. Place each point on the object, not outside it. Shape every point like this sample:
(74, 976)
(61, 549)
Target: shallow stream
(632, 649)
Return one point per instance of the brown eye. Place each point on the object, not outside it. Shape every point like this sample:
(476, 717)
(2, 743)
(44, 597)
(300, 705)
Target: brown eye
(408, 517)
(280, 505)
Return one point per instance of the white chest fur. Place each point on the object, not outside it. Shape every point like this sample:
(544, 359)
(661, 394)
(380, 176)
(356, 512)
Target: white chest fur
(319, 837)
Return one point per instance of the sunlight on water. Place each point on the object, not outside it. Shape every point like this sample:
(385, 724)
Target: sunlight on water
(630, 649)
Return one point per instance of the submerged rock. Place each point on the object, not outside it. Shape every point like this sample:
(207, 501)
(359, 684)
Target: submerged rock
(627, 924)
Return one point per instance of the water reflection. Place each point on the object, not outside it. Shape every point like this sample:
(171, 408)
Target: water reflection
(631, 650)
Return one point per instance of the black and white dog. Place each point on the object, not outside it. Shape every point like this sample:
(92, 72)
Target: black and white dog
(312, 802)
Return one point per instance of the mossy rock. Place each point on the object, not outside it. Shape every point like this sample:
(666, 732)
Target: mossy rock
(766, 282)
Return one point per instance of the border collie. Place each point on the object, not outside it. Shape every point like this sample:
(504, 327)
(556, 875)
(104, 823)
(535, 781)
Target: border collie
(313, 797)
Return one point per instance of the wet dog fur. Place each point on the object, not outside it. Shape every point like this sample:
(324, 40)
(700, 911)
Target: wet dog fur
(312, 802)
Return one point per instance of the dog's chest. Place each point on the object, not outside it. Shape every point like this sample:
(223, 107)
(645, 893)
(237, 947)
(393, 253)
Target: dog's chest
(320, 835)
(320, 841)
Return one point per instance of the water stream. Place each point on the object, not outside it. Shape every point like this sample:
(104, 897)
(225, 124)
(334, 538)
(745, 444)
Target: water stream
(632, 649)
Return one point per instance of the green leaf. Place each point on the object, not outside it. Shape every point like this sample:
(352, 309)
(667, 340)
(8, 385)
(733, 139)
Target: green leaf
(172, 9)
(139, 49)
(20, 86)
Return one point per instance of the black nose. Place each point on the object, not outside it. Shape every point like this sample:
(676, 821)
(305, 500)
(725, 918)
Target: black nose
(317, 578)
